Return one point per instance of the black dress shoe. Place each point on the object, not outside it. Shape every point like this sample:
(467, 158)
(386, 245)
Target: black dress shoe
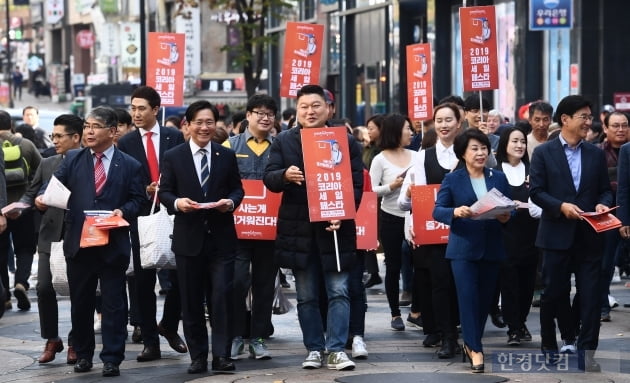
(221, 364)
(432, 340)
(136, 336)
(174, 340)
(149, 353)
(198, 366)
(448, 349)
(374, 280)
(497, 319)
(82, 365)
(110, 369)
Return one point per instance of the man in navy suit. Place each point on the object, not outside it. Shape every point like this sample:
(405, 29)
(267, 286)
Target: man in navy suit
(569, 176)
(100, 177)
(201, 185)
(147, 145)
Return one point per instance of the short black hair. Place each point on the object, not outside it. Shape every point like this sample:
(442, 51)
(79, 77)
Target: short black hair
(616, 112)
(5, 120)
(288, 113)
(391, 131)
(450, 105)
(71, 124)
(569, 105)
(149, 94)
(541, 106)
(461, 142)
(504, 139)
(197, 106)
(123, 116)
(262, 100)
(454, 99)
(311, 89)
(472, 103)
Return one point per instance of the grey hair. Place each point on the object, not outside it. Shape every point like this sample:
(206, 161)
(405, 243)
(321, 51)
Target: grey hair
(495, 113)
(105, 115)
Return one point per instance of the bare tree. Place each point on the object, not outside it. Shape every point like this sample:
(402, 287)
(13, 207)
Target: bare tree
(252, 16)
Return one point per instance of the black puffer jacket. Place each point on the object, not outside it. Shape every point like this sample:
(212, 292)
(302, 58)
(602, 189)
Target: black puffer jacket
(297, 236)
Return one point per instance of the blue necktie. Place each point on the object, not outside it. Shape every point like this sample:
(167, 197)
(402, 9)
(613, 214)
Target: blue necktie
(205, 172)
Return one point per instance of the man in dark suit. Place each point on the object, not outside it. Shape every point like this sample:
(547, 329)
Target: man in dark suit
(201, 186)
(569, 176)
(147, 145)
(66, 135)
(117, 187)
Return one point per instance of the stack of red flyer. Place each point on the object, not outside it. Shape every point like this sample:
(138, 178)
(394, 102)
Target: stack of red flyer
(602, 221)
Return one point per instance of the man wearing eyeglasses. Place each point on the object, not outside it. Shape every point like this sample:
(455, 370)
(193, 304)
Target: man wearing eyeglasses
(569, 176)
(252, 153)
(616, 131)
(99, 177)
(66, 135)
(147, 144)
(21, 231)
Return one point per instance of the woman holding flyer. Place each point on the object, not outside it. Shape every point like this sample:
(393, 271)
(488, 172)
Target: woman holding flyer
(475, 247)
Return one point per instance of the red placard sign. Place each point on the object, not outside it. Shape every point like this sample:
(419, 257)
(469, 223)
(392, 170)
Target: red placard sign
(302, 57)
(419, 82)
(427, 230)
(367, 238)
(257, 215)
(479, 48)
(85, 39)
(329, 186)
(165, 66)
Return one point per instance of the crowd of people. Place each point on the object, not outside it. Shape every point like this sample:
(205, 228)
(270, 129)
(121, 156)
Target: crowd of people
(122, 160)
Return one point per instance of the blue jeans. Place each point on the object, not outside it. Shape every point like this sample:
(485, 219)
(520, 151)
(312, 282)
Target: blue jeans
(307, 287)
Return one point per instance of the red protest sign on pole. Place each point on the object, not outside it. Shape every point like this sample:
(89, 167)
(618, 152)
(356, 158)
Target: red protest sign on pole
(257, 215)
(302, 57)
(165, 66)
(329, 186)
(479, 48)
(419, 82)
(426, 229)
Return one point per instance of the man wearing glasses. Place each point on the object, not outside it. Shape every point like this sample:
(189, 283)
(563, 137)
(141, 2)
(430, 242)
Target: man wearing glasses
(252, 152)
(99, 177)
(569, 176)
(66, 135)
(147, 144)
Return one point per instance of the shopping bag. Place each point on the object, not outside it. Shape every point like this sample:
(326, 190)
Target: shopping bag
(58, 269)
(281, 303)
(154, 232)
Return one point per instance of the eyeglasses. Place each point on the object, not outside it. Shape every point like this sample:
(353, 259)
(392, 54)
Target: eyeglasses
(262, 115)
(200, 123)
(618, 126)
(60, 136)
(94, 126)
(585, 117)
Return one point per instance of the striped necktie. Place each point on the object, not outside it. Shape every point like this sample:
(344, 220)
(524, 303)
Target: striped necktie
(205, 172)
(99, 173)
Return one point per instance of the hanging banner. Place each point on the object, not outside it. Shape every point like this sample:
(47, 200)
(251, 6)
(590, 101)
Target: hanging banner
(479, 48)
(419, 82)
(427, 230)
(165, 66)
(257, 215)
(366, 222)
(302, 57)
(329, 186)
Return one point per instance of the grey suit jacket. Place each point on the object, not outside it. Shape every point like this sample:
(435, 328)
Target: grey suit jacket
(51, 226)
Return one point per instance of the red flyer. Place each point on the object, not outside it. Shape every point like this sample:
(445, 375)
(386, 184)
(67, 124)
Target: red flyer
(367, 238)
(302, 57)
(479, 48)
(427, 230)
(257, 215)
(419, 82)
(165, 66)
(329, 186)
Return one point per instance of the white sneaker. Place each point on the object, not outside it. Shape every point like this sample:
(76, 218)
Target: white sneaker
(313, 360)
(612, 302)
(97, 325)
(339, 361)
(237, 347)
(568, 348)
(616, 276)
(359, 350)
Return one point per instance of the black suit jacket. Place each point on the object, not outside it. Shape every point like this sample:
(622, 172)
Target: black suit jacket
(180, 180)
(551, 184)
(131, 144)
(123, 190)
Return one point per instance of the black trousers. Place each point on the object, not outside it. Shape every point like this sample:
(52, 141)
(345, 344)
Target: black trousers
(22, 232)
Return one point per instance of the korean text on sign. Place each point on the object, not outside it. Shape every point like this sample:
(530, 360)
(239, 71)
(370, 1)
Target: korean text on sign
(302, 57)
(479, 48)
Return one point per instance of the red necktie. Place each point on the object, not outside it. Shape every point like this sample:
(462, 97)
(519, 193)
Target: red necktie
(152, 159)
(99, 173)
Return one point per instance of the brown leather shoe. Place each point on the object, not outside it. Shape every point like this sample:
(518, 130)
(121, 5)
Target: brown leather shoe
(174, 340)
(52, 347)
(72, 356)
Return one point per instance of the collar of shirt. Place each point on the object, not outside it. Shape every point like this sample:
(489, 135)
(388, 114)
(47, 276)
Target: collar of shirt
(566, 144)
(108, 154)
(194, 148)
